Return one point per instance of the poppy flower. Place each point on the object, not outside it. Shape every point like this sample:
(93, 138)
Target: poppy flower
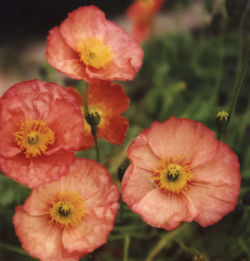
(41, 125)
(108, 101)
(180, 172)
(69, 218)
(142, 14)
(88, 46)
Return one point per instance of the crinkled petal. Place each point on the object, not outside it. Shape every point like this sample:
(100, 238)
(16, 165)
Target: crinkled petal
(213, 202)
(61, 56)
(165, 211)
(136, 183)
(182, 138)
(115, 129)
(140, 153)
(33, 172)
(110, 95)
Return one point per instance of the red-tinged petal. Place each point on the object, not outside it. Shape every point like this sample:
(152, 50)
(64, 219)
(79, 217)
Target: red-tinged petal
(111, 95)
(165, 211)
(61, 56)
(136, 183)
(115, 129)
(213, 202)
(141, 154)
(76, 94)
(87, 21)
(141, 31)
(67, 123)
(167, 139)
(33, 172)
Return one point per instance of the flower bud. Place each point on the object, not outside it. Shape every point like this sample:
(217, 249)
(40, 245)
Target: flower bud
(93, 119)
(123, 167)
(222, 119)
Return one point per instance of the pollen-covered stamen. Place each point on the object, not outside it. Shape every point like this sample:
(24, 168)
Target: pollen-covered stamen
(66, 209)
(94, 52)
(33, 137)
(173, 177)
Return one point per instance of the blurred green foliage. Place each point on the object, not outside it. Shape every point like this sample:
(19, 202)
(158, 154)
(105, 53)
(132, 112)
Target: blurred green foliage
(186, 75)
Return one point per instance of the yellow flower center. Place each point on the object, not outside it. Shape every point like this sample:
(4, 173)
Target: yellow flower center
(66, 209)
(33, 137)
(173, 177)
(94, 52)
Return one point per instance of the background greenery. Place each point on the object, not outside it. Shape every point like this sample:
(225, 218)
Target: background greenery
(193, 75)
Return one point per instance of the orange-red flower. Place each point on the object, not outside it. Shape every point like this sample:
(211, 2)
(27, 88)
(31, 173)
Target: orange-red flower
(88, 46)
(66, 219)
(142, 14)
(180, 172)
(108, 100)
(41, 125)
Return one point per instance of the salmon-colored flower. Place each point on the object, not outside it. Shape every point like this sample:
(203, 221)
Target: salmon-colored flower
(108, 101)
(142, 14)
(180, 172)
(69, 218)
(41, 125)
(88, 46)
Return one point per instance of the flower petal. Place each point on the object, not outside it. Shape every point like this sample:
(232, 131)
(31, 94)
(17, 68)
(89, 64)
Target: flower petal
(61, 56)
(36, 171)
(165, 211)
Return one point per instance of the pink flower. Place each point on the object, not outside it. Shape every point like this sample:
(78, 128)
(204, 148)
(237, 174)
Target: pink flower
(41, 125)
(180, 172)
(69, 218)
(88, 46)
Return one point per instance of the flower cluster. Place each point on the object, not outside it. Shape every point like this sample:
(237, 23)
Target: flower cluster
(178, 172)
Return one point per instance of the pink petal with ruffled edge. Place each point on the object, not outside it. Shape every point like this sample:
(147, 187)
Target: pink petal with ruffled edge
(165, 211)
(39, 238)
(61, 56)
(182, 138)
(36, 171)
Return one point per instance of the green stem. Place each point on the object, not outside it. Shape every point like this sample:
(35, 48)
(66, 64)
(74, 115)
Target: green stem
(14, 249)
(164, 240)
(126, 248)
(241, 68)
(85, 98)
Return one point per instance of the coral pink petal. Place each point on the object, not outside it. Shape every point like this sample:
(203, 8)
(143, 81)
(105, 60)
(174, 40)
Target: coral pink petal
(213, 202)
(141, 154)
(223, 170)
(38, 237)
(62, 57)
(94, 179)
(114, 130)
(141, 31)
(110, 94)
(165, 211)
(91, 233)
(182, 138)
(135, 185)
(87, 21)
(67, 123)
(36, 171)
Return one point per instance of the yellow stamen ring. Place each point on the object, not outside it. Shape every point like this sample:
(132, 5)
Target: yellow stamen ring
(173, 177)
(66, 209)
(33, 137)
(94, 52)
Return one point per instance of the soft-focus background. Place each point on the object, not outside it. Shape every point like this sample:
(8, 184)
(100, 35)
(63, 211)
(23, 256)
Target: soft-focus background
(190, 68)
